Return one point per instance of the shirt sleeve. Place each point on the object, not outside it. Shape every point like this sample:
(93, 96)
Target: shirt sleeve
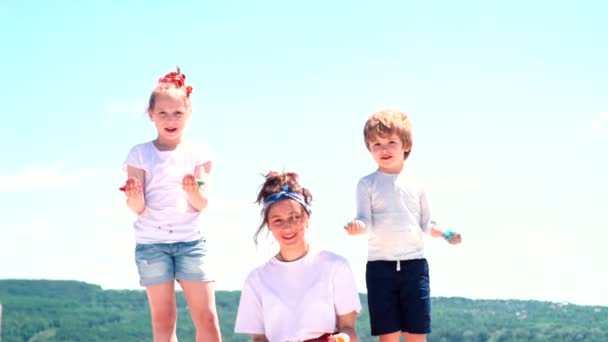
(346, 297)
(249, 318)
(364, 203)
(134, 159)
(425, 212)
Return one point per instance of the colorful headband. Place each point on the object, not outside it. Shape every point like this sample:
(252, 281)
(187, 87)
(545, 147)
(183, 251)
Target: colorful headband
(285, 193)
(177, 79)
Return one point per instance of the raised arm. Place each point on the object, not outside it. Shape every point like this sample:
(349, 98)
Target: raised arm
(430, 226)
(134, 189)
(452, 237)
(360, 224)
(197, 195)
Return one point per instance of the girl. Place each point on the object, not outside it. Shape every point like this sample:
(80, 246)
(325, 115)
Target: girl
(163, 190)
(300, 294)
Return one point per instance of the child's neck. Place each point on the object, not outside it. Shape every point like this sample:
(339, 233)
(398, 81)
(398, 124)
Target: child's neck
(393, 170)
(166, 145)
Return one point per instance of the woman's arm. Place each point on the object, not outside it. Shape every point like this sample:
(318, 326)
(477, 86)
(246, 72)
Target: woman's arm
(346, 328)
(258, 338)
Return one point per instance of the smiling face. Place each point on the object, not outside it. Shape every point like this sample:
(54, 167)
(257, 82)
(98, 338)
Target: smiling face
(388, 152)
(382, 127)
(170, 115)
(287, 221)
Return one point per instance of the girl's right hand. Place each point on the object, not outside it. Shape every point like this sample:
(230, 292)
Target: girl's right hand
(355, 227)
(133, 188)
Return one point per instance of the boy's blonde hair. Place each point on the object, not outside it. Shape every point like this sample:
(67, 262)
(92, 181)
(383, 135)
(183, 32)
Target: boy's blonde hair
(387, 122)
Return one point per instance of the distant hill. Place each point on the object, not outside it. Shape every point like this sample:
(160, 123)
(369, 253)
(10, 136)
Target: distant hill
(44, 310)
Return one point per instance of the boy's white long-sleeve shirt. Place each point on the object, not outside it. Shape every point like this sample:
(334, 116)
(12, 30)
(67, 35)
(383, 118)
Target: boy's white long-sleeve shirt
(396, 211)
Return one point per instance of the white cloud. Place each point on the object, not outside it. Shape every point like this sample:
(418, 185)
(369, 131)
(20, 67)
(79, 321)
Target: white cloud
(223, 206)
(459, 183)
(32, 243)
(35, 228)
(33, 178)
(135, 108)
(600, 124)
(543, 263)
(115, 210)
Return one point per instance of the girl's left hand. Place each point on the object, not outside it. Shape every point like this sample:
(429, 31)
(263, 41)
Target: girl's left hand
(189, 184)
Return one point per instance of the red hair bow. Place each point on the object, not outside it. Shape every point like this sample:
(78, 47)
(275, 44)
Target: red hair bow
(177, 79)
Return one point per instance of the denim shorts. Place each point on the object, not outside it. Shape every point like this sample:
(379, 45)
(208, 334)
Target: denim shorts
(398, 296)
(159, 263)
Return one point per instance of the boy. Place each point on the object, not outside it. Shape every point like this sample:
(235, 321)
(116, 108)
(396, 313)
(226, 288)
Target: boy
(393, 209)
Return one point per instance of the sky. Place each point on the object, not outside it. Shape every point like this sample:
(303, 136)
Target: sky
(508, 102)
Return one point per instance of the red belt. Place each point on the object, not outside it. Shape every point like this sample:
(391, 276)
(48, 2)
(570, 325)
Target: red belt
(323, 338)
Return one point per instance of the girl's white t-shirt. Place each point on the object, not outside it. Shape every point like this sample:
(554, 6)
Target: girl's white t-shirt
(298, 300)
(168, 216)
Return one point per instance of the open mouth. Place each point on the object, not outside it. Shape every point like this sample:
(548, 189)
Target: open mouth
(288, 237)
(171, 130)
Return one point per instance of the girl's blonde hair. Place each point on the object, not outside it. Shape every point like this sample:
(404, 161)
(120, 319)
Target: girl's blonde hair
(172, 82)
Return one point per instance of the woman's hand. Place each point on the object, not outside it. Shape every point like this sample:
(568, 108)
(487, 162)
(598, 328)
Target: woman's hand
(340, 337)
(258, 338)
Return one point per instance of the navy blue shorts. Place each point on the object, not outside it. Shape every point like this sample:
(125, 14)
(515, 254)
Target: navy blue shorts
(399, 296)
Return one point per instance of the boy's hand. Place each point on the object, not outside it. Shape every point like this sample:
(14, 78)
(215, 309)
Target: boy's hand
(453, 238)
(355, 227)
(190, 184)
(133, 188)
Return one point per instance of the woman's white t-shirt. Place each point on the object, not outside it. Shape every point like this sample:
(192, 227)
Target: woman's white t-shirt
(298, 300)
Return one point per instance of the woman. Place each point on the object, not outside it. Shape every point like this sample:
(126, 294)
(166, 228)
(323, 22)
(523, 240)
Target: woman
(301, 294)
